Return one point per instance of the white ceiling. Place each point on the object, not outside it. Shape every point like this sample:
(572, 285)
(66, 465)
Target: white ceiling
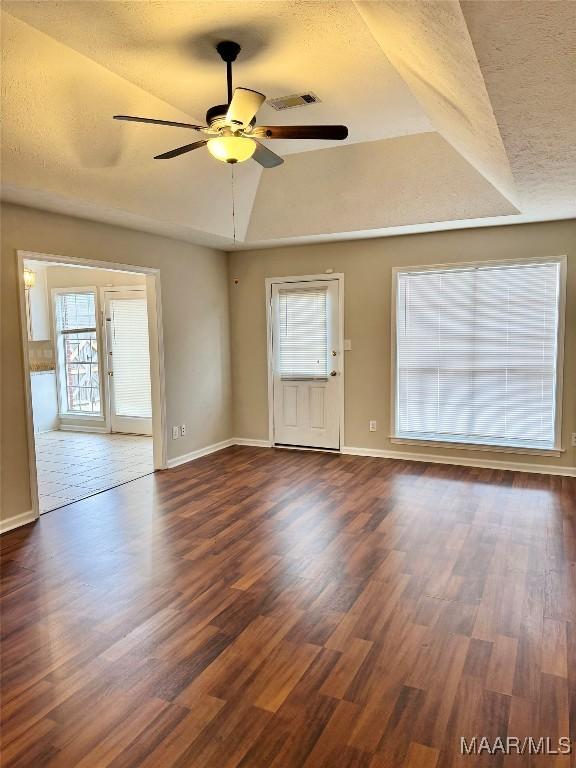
(459, 114)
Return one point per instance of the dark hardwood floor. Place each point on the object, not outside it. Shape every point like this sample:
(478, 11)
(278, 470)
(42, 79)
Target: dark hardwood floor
(281, 609)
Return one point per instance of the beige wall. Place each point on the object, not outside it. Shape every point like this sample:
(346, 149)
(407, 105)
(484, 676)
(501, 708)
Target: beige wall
(367, 266)
(198, 327)
(196, 330)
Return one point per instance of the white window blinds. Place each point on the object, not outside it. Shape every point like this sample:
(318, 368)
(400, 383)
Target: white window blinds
(477, 354)
(75, 311)
(131, 358)
(303, 332)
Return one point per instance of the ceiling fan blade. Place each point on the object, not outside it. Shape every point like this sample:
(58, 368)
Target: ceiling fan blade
(331, 132)
(266, 157)
(180, 150)
(244, 105)
(158, 122)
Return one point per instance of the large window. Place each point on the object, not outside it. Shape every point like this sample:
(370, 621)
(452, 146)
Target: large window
(77, 349)
(477, 354)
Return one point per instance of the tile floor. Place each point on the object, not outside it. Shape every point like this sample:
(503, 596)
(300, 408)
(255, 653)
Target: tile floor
(74, 465)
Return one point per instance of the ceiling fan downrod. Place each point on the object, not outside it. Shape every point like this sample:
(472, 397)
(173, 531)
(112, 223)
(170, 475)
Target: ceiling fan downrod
(228, 51)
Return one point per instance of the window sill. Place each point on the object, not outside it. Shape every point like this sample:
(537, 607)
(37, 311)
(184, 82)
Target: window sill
(81, 415)
(554, 452)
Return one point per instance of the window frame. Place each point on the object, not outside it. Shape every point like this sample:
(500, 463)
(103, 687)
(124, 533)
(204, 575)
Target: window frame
(556, 449)
(63, 413)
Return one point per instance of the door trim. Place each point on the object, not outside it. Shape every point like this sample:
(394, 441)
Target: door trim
(269, 283)
(155, 330)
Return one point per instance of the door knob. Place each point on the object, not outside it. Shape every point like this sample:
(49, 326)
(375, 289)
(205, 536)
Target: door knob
(333, 373)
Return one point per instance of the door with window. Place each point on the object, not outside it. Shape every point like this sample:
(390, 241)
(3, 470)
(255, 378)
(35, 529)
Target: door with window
(128, 361)
(306, 363)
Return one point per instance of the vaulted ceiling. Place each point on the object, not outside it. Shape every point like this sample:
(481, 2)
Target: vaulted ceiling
(459, 114)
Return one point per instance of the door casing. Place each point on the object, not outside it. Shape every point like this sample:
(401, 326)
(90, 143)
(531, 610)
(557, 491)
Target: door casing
(269, 283)
(155, 331)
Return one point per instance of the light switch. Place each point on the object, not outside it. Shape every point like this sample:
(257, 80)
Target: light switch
(347, 345)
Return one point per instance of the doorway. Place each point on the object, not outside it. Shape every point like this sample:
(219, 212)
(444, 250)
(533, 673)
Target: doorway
(305, 361)
(92, 342)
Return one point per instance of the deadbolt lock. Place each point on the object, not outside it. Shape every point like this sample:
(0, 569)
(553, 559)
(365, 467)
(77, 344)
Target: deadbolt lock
(333, 373)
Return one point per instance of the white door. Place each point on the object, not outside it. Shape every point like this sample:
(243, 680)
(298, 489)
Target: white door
(306, 363)
(128, 361)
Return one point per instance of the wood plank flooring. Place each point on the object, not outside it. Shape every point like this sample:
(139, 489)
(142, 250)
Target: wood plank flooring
(279, 609)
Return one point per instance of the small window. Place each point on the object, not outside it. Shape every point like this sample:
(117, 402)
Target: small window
(77, 349)
(303, 334)
(477, 354)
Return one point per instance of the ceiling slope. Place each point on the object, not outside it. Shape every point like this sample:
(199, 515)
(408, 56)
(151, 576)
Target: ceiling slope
(408, 180)
(429, 45)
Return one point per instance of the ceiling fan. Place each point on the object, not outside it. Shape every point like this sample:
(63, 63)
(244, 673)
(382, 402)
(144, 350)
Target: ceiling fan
(231, 130)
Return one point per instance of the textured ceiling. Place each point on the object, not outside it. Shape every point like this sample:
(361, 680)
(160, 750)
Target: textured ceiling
(528, 60)
(459, 114)
(167, 49)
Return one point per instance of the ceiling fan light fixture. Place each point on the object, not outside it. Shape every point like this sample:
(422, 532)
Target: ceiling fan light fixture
(232, 149)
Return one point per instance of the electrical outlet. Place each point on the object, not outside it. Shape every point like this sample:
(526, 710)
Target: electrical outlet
(372, 426)
(573, 439)
(183, 430)
(175, 433)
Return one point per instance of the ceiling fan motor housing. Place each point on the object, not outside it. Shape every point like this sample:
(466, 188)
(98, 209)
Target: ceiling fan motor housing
(216, 116)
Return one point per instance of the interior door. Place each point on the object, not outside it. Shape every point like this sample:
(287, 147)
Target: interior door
(306, 363)
(128, 361)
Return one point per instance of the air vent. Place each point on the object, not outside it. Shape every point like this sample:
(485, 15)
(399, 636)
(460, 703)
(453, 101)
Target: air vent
(295, 100)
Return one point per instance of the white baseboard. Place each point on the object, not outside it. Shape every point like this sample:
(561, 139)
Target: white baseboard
(514, 466)
(249, 441)
(186, 457)
(81, 428)
(9, 523)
